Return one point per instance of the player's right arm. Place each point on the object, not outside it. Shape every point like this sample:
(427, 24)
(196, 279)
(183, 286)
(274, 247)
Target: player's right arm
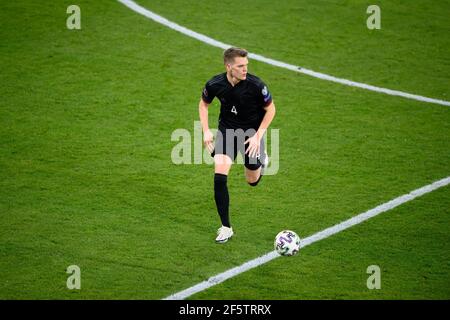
(208, 95)
(208, 137)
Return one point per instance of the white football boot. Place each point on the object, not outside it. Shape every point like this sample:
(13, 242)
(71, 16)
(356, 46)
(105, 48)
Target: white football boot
(224, 234)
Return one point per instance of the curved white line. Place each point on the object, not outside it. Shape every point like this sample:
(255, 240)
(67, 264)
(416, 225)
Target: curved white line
(311, 239)
(157, 18)
(324, 233)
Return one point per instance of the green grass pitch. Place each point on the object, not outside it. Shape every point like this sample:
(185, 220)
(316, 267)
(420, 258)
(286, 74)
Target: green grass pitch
(86, 176)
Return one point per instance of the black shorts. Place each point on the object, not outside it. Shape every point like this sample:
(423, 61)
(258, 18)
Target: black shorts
(232, 141)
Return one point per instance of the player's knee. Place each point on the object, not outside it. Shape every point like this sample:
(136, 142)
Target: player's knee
(255, 183)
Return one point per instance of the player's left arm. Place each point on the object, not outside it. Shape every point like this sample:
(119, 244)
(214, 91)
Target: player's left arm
(255, 141)
(267, 120)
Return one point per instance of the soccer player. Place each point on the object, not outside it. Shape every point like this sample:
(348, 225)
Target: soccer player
(246, 112)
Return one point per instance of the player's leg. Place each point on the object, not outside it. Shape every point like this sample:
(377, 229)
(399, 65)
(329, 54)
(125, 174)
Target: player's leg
(253, 176)
(222, 164)
(223, 160)
(254, 165)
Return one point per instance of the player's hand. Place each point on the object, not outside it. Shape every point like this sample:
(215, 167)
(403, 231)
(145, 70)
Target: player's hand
(253, 146)
(208, 138)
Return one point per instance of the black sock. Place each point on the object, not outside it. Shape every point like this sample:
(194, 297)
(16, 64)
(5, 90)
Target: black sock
(222, 198)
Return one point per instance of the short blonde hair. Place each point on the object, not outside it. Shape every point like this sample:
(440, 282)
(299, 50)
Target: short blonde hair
(233, 52)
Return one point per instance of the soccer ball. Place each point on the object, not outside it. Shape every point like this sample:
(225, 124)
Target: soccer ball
(287, 243)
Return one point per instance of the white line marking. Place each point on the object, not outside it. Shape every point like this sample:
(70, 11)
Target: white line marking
(159, 19)
(311, 239)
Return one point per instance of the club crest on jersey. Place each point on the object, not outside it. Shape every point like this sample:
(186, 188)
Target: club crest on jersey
(234, 110)
(266, 94)
(264, 91)
(205, 92)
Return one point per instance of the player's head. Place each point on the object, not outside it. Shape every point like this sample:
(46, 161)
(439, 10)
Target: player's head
(236, 62)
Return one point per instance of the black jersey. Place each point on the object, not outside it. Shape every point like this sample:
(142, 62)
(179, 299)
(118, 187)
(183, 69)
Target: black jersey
(242, 106)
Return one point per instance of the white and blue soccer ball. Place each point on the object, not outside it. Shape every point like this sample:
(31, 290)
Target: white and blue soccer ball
(287, 243)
